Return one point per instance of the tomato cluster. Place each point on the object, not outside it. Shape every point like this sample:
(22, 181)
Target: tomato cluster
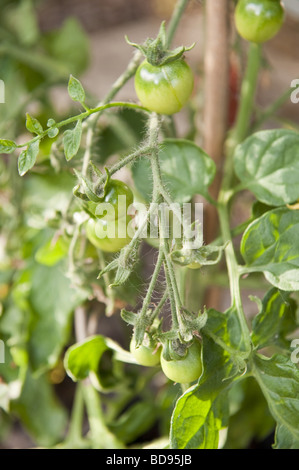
(184, 370)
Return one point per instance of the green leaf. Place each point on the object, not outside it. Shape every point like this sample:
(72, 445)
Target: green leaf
(27, 158)
(69, 45)
(97, 357)
(46, 426)
(250, 419)
(267, 163)
(284, 439)
(72, 140)
(45, 192)
(202, 411)
(53, 132)
(21, 19)
(52, 314)
(278, 378)
(270, 245)
(275, 320)
(186, 171)
(76, 90)
(7, 146)
(134, 422)
(225, 330)
(33, 125)
(52, 252)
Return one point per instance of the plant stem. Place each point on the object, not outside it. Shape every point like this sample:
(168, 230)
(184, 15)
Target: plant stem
(101, 437)
(75, 429)
(248, 90)
(239, 133)
(152, 284)
(175, 19)
(271, 110)
(82, 116)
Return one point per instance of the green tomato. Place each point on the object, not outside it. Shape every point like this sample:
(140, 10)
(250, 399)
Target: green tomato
(145, 355)
(259, 20)
(185, 370)
(164, 89)
(104, 234)
(119, 196)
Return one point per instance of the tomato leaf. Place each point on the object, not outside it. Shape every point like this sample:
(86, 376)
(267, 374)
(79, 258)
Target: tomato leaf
(186, 171)
(84, 359)
(270, 245)
(33, 125)
(27, 158)
(202, 411)
(52, 252)
(7, 146)
(267, 163)
(277, 318)
(52, 314)
(46, 427)
(278, 378)
(76, 90)
(284, 439)
(72, 140)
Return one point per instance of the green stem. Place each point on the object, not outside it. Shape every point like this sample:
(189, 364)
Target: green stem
(175, 19)
(92, 120)
(239, 133)
(127, 160)
(45, 65)
(247, 99)
(152, 284)
(82, 116)
(271, 110)
(174, 315)
(75, 429)
(233, 272)
(101, 437)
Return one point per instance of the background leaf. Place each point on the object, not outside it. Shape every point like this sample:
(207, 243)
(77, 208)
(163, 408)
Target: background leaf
(270, 245)
(53, 300)
(278, 378)
(276, 319)
(267, 163)
(46, 426)
(181, 164)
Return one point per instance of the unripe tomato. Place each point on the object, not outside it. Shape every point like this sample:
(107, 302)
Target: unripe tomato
(145, 355)
(164, 89)
(185, 370)
(97, 232)
(115, 192)
(259, 20)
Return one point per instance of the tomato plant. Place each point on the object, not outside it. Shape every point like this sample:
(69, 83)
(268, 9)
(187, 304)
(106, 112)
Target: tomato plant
(203, 288)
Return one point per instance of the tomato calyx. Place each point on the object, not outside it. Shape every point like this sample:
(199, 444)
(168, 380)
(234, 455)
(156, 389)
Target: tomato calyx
(174, 350)
(156, 51)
